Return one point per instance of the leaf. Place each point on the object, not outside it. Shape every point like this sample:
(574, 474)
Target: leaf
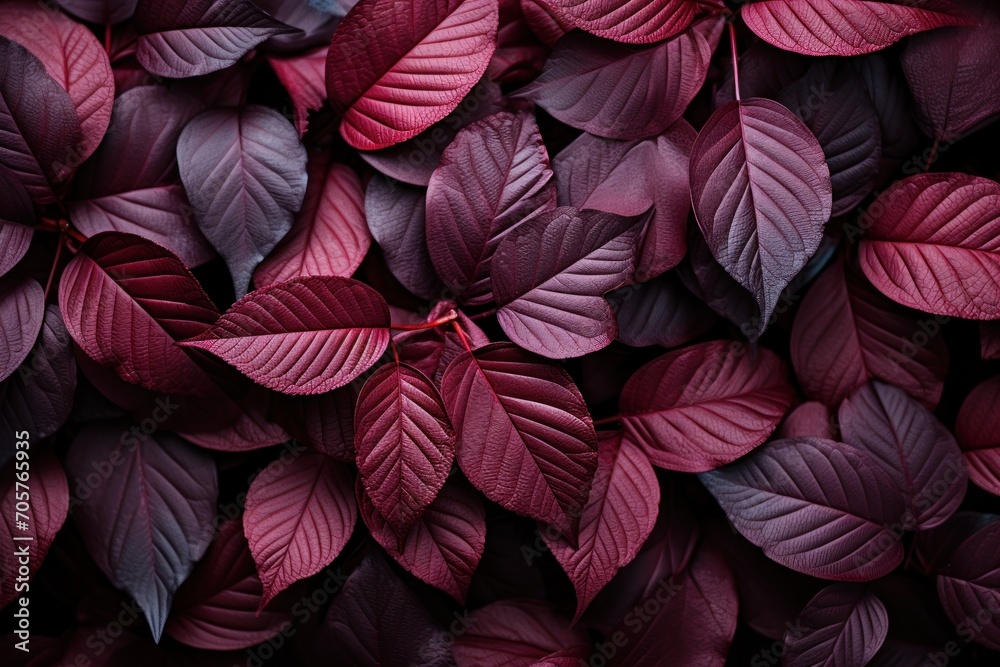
(444, 545)
(761, 193)
(624, 92)
(978, 433)
(616, 521)
(154, 301)
(845, 624)
(299, 515)
(150, 514)
(932, 242)
(245, 173)
(764, 72)
(325, 422)
(22, 309)
(194, 37)
(304, 77)
(919, 453)
(708, 281)
(217, 607)
(659, 312)
(329, 236)
(969, 585)
(628, 21)
(303, 336)
(16, 213)
(704, 406)
(816, 506)
(420, 59)
(843, 27)
(493, 176)
(315, 21)
(810, 419)
(101, 12)
(550, 276)
(891, 99)
(534, 458)
(846, 333)
(48, 503)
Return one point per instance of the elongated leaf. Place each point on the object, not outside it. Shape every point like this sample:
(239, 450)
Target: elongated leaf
(474, 201)
(551, 273)
(845, 624)
(978, 433)
(761, 193)
(843, 27)
(22, 309)
(628, 21)
(245, 174)
(304, 336)
(816, 506)
(411, 64)
(932, 242)
(706, 405)
(514, 632)
(659, 312)
(891, 99)
(151, 514)
(298, 518)
(304, 77)
(156, 302)
(101, 12)
(969, 584)
(536, 459)
(846, 333)
(194, 37)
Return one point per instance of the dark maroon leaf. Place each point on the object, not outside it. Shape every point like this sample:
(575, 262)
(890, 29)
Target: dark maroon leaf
(891, 99)
(809, 420)
(16, 211)
(764, 72)
(324, 421)
(978, 433)
(969, 585)
(520, 55)
(659, 312)
(989, 336)
(845, 624)
(707, 280)
(514, 633)
(22, 309)
(430, 351)
(101, 12)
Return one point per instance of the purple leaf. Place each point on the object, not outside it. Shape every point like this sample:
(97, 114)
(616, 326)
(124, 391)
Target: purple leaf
(891, 99)
(708, 281)
(978, 433)
(315, 20)
(764, 72)
(22, 309)
(628, 21)
(969, 584)
(514, 633)
(659, 312)
(16, 212)
(101, 12)
(845, 624)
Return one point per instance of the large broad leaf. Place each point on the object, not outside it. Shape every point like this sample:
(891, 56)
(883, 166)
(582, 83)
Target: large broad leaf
(101, 12)
(629, 21)
(444, 545)
(846, 333)
(616, 521)
(550, 276)
(910, 444)
(192, 37)
(404, 443)
(659, 312)
(29, 531)
(706, 405)
(932, 242)
(534, 458)
(73, 58)
(844, 27)
(150, 301)
(978, 432)
(627, 177)
(149, 515)
(761, 193)
(299, 515)
(954, 86)
(968, 581)
(304, 77)
(817, 506)
(217, 607)
(39, 128)
(22, 309)
(245, 173)
(845, 624)
(393, 70)
(329, 236)
(492, 176)
(304, 336)
(624, 92)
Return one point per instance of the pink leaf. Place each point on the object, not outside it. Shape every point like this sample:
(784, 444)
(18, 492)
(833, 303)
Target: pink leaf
(22, 309)
(845, 624)
(978, 433)
(628, 21)
(304, 77)
(811, 419)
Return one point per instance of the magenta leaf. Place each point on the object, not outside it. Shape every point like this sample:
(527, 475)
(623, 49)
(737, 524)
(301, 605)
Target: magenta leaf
(703, 406)
(628, 21)
(846, 333)
(156, 302)
(244, 171)
(299, 516)
(494, 175)
(844, 27)
(445, 543)
(551, 273)
(101, 12)
(22, 309)
(844, 624)
(761, 192)
(535, 458)
(193, 37)
(217, 607)
(812, 419)
(514, 633)
(816, 506)
(932, 242)
(659, 312)
(303, 336)
(304, 77)
(978, 433)
(325, 422)
(150, 517)
(419, 61)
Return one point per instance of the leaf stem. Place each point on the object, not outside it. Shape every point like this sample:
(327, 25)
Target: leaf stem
(483, 315)
(613, 419)
(450, 316)
(52, 271)
(461, 334)
(933, 155)
(736, 67)
(107, 39)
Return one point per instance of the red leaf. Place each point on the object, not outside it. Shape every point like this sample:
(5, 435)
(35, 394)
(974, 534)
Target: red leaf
(154, 300)
(534, 458)
(932, 242)
(304, 77)
(628, 21)
(304, 336)
(845, 624)
(299, 515)
(420, 59)
(843, 27)
(22, 309)
(761, 193)
(978, 432)
(706, 405)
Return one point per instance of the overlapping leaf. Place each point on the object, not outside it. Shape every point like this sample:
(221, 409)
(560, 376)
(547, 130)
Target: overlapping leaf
(978, 433)
(659, 312)
(845, 624)
(22, 309)
(629, 21)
